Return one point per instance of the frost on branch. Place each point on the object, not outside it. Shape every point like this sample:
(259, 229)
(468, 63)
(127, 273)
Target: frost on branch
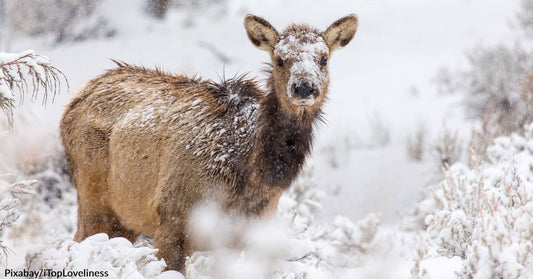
(26, 72)
(117, 256)
(483, 214)
(8, 210)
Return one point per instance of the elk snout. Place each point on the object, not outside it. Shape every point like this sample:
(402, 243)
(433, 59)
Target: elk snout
(304, 90)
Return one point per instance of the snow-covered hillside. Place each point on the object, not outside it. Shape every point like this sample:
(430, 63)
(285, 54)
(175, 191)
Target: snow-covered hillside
(351, 214)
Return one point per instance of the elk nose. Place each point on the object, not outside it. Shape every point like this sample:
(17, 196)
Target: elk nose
(304, 90)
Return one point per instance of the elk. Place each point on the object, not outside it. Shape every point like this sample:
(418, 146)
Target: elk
(145, 146)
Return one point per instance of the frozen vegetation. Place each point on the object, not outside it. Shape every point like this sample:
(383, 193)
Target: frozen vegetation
(456, 203)
(9, 213)
(483, 214)
(23, 72)
(116, 257)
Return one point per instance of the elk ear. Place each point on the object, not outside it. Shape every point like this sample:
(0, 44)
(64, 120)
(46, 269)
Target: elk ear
(341, 32)
(260, 32)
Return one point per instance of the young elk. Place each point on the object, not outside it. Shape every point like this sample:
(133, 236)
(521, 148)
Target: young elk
(144, 146)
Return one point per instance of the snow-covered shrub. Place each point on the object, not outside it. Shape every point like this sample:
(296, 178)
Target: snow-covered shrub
(31, 150)
(477, 147)
(525, 16)
(416, 144)
(157, 8)
(497, 88)
(117, 257)
(53, 207)
(447, 148)
(291, 245)
(494, 84)
(63, 20)
(483, 214)
(9, 201)
(194, 8)
(23, 72)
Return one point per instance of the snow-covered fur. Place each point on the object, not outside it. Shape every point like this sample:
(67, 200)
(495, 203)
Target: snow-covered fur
(145, 147)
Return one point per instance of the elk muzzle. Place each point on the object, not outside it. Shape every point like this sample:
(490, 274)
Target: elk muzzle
(303, 90)
(303, 94)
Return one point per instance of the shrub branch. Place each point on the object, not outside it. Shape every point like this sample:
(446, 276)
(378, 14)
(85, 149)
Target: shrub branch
(27, 73)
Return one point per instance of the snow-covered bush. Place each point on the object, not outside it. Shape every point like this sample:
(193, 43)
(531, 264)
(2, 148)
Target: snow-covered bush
(483, 214)
(497, 88)
(525, 16)
(416, 144)
(9, 201)
(117, 257)
(291, 245)
(53, 207)
(447, 148)
(23, 72)
(32, 150)
(63, 20)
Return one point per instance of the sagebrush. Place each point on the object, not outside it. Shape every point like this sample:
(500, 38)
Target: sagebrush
(27, 73)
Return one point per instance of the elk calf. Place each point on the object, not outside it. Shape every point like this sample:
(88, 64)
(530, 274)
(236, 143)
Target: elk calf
(144, 146)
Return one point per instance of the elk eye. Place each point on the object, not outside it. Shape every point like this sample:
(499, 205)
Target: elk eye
(279, 61)
(323, 60)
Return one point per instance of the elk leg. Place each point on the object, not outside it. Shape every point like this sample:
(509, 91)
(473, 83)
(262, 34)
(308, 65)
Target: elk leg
(96, 216)
(272, 206)
(173, 248)
(100, 220)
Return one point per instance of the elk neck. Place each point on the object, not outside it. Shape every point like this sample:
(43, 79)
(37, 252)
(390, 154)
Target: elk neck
(283, 141)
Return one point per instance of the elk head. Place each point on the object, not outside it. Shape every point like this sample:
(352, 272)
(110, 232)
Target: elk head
(300, 57)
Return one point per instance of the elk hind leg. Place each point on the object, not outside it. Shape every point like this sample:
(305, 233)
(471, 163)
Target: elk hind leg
(96, 216)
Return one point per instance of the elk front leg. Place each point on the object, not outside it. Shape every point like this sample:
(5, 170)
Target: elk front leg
(272, 205)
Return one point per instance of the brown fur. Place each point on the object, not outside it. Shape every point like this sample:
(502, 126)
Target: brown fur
(145, 147)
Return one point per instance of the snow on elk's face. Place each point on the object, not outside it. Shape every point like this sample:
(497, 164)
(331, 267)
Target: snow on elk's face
(300, 66)
(300, 57)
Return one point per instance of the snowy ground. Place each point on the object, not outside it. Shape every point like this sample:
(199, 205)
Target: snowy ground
(381, 88)
(384, 75)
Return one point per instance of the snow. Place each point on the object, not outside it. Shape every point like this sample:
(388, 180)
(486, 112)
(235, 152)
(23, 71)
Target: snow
(308, 249)
(11, 57)
(29, 58)
(9, 213)
(359, 168)
(479, 213)
(5, 58)
(16, 68)
(116, 258)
